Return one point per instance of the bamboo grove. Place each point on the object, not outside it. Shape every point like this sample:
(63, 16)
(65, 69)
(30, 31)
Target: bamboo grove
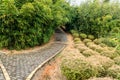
(29, 23)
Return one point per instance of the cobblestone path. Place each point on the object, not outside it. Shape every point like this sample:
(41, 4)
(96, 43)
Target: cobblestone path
(19, 66)
(1, 75)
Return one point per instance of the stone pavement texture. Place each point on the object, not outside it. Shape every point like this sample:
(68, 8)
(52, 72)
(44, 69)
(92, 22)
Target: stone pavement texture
(1, 75)
(19, 66)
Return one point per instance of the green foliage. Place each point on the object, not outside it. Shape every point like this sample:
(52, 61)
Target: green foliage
(30, 22)
(91, 37)
(83, 36)
(93, 17)
(114, 71)
(87, 40)
(77, 69)
(110, 42)
(117, 60)
(75, 35)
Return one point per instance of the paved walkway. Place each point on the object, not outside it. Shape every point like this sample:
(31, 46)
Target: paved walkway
(1, 75)
(19, 66)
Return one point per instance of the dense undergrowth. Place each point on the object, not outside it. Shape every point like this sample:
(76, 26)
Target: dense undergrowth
(28, 23)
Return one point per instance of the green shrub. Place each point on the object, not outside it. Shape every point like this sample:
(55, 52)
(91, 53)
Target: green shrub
(82, 48)
(97, 41)
(117, 60)
(102, 45)
(106, 62)
(75, 35)
(29, 23)
(91, 45)
(89, 52)
(95, 18)
(109, 42)
(83, 36)
(114, 71)
(77, 69)
(110, 54)
(115, 30)
(101, 63)
(73, 31)
(87, 40)
(91, 37)
(101, 78)
(99, 49)
(76, 39)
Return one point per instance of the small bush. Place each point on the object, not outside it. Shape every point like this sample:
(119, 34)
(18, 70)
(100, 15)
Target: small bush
(117, 60)
(79, 45)
(91, 45)
(115, 30)
(76, 39)
(109, 42)
(83, 48)
(103, 61)
(104, 78)
(102, 45)
(110, 54)
(83, 36)
(114, 71)
(99, 49)
(91, 37)
(77, 69)
(75, 35)
(97, 41)
(87, 40)
(73, 31)
(89, 52)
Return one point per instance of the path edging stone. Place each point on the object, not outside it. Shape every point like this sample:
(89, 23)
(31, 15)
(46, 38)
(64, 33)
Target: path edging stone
(5, 73)
(36, 69)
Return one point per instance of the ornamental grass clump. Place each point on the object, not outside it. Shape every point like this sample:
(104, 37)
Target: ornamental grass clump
(102, 45)
(114, 72)
(97, 41)
(83, 48)
(91, 45)
(87, 40)
(77, 69)
(110, 54)
(91, 37)
(75, 35)
(89, 52)
(101, 63)
(83, 36)
(103, 78)
(77, 40)
(99, 49)
(117, 60)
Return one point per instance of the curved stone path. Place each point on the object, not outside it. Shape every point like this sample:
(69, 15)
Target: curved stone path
(19, 66)
(1, 75)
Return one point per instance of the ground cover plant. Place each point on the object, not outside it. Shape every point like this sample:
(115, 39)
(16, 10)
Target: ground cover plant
(92, 62)
(95, 29)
